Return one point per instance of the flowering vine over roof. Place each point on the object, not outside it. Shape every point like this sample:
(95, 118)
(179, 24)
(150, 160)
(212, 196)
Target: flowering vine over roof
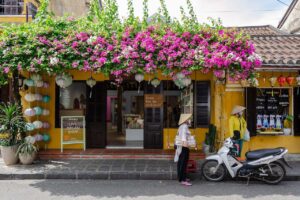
(120, 53)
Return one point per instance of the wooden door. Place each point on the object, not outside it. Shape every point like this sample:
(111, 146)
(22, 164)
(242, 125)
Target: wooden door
(96, 116)
(153, 127)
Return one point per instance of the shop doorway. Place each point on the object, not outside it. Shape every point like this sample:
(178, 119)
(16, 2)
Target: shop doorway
(125, 116)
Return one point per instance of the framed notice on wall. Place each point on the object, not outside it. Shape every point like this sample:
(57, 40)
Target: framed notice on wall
(153, 100)
(72, 130)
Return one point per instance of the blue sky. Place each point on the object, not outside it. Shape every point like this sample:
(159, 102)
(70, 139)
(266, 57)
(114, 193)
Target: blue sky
(231, 12)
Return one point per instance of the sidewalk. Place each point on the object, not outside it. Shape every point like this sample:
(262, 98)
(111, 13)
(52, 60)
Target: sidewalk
(108, 169)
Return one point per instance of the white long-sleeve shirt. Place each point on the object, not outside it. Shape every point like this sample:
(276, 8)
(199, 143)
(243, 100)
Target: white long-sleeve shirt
(183, 132)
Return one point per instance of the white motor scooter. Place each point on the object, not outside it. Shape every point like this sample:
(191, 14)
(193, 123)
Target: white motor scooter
(263, 164)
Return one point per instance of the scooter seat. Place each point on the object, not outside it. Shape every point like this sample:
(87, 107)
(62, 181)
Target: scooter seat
(257, 154)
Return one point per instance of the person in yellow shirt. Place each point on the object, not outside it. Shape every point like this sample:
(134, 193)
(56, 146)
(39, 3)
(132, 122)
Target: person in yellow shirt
(237, 126)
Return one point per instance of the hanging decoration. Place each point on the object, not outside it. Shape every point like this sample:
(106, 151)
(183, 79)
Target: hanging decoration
(298, 83)
(38, 124)
(39, 83)
(186, 81)
(45, 85)
(155, 82)
(29, 126)
(36, 77)
(281, 80)
(253, 82)
(139, 77)
(46, 98)
(273, 81)
(38, 97)
(29, 112)
(46, 137)
(91, 82)
(46, 125)
(179, 80)
(38, 110)
(30, 139)
(29, 82)
(63, 80)
(290, 80)
(38, 137)
(45, 112)
(29, 97)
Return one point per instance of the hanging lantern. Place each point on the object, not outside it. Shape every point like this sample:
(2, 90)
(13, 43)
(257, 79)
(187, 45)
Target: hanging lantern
(91, 82)
(38, 137)
(38, 124)
(253, 82)
(45, 112)
(39, 83)
(63, 80)
(30, 139)
(180, 75)
(46, 125)
(38, 97)
(29, 112)
(186, 81)
(155, 82)
(36, 77)
(29, 82)
(29, 126)
(45, 85)
(273, 81)
(29, 97)
(139, 77)
(290, 80)
(46, 137)
(38, 110)
(46, 98)
(281, 80)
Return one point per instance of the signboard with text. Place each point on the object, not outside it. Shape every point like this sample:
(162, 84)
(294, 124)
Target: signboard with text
(72, 130)
(153, 100)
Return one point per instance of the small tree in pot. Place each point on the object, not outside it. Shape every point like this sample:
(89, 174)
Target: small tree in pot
(11, 131)
(27, 150)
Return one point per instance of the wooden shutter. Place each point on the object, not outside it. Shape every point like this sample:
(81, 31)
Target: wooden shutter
(202, 103)
(296, 112)
(250, 99)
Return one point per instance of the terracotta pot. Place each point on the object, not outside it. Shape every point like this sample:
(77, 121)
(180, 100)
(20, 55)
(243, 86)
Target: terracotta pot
(9, 154)
(27, 159)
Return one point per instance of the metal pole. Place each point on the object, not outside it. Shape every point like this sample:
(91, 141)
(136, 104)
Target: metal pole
(26, 7)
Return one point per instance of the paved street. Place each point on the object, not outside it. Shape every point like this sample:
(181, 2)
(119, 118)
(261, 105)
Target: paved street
(131, 189)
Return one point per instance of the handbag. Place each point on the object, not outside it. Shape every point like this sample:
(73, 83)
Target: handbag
(246, 135)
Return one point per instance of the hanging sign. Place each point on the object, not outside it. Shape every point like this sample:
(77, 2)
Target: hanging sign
(72, 130)
(153, 100)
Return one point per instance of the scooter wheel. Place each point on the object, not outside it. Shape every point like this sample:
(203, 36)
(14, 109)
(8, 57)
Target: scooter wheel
(212, 171)
(275, 175)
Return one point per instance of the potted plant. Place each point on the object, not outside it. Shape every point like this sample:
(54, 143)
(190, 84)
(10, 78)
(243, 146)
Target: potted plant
(287, 124)
(27, 151)
(11, 131)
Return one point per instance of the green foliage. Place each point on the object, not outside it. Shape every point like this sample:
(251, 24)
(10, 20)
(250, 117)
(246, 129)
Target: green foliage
(12, 123)
(27, 148)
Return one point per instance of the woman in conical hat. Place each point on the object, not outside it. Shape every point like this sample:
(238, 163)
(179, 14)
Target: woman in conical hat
(182, 151)
(237, 125)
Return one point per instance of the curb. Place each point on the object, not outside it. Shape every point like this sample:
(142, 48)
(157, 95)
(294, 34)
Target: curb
(115, 175)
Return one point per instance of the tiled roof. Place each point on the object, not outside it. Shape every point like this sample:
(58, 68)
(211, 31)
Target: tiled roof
(259, 30)
(276, 47)
(278, 50)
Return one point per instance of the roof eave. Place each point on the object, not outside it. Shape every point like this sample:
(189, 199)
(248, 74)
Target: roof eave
(287, 13)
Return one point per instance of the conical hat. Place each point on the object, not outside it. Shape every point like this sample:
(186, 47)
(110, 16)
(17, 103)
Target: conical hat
(184, 118)
(237, 109)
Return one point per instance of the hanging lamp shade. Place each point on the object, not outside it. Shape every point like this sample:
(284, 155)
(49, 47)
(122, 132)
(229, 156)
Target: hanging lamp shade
(186, 81)
(29, 97)
(281, 80)
(29, 126)
(36, 77)
(46, 137)
(180, 75)
(38, 124)
(290, 80)
(63, 80)
(155, 82)
(38, 137)
(139, 77)
(273, 81)
(298, 80)
(29, 82)
(91, 82)
(29, 112)
(38, 110)
(46, 99)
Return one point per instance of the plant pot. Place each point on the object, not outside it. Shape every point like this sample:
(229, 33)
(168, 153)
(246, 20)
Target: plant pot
(27, 159)
(9, 154)
(287, 131)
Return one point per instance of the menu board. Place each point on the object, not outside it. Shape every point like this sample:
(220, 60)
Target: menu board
(153, 100)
